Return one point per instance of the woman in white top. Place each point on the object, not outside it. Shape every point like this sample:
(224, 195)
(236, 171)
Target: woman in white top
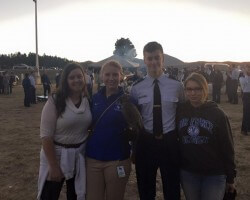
(245, 86)
(65, 120)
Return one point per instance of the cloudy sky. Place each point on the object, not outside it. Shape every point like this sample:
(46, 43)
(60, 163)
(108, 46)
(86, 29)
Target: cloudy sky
(191, 30)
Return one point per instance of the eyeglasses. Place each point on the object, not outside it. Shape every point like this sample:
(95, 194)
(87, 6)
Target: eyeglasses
(196, 89)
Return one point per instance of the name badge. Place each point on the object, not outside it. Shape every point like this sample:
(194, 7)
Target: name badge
(121, 172)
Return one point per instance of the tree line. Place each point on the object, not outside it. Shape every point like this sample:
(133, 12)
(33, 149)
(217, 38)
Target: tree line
(123, 47)
(46, 61)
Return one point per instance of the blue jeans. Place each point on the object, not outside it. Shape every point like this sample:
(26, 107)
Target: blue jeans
(200, 187)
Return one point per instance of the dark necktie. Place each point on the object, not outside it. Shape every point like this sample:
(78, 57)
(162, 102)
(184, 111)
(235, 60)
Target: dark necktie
(157, 112)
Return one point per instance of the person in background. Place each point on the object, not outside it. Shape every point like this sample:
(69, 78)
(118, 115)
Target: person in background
(46, 84)
(64, 126)
(156, 97)
(11, 81)
(229, 85)
(32, 88)
(206, 144)
(1, 83)
(57, 79)
(89, 84)
(6, 83)
(217, 81)
(245, 86)
(26, 86)
(108, 149)
(235, 83)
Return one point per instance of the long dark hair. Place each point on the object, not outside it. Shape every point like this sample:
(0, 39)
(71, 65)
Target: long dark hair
(63, 90)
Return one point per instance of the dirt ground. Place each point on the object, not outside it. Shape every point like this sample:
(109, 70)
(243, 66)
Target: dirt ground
(20, 145)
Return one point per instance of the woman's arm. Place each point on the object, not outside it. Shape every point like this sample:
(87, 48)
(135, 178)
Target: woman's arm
(55, 172)
(47, 130)
(226, 147)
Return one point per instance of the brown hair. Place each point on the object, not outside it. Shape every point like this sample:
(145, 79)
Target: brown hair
(201, 81)
(63, 91)
(152, 46)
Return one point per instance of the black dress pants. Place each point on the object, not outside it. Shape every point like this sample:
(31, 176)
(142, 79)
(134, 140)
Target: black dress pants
(152, 154)
(234, 91)
(246, 112)
(26, 97)
(216, 93)
(46, 89)
(52, 189)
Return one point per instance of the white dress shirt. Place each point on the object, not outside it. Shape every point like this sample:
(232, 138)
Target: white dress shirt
(245, 83)
(171, 93)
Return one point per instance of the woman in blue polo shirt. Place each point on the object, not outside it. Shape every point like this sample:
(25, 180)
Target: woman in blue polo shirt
(108, 150)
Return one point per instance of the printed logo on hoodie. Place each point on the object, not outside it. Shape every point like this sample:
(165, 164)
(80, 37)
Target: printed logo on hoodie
(193, 126)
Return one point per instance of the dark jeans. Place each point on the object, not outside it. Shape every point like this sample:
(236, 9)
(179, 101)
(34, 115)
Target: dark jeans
(32, 95)
(52, 189)
(152, 154)
(200, 187)
(246, 113)
(46, 89)
(216, 93)
(27, 97)
(11, 88)
(234, 91)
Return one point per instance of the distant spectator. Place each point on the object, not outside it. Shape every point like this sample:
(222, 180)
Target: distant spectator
(229, 86)
(235, 84)
(1, 83)
(11, 81)
(32, 88)
(26, 86)
(89, 84)
(217, 81)
(6, 83)
(203, 73)
(58, 77)
(46, 84)
(245, 86)
(135, 76)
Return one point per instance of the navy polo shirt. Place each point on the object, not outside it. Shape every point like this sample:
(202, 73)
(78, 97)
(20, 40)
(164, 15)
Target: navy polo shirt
(108, 141)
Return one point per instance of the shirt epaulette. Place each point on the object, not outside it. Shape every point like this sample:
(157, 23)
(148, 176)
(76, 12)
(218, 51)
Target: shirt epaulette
(138, 81)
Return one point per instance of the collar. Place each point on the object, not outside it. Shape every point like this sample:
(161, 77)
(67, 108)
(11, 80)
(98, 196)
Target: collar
(72, 107)
(160, 79)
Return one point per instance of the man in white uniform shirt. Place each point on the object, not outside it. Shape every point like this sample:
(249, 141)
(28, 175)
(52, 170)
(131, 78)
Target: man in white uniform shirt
(245, 86)
(156, 97)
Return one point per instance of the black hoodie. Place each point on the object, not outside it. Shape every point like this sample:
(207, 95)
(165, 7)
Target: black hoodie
(206, 141)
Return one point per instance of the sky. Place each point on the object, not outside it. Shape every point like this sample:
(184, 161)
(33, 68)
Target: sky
(81, 30)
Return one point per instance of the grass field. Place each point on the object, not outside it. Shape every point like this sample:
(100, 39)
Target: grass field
(20, 146)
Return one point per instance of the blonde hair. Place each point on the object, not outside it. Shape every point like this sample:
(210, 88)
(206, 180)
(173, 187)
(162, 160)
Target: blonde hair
(114, 64)
(201, 81)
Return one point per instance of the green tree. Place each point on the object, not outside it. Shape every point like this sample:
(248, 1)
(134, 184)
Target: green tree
(124, 47)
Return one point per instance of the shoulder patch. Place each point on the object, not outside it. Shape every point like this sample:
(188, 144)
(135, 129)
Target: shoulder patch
(138, 81)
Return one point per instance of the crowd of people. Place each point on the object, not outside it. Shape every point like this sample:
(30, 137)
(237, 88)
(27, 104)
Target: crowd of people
(90, 141)
(7, 81)
(29, 86)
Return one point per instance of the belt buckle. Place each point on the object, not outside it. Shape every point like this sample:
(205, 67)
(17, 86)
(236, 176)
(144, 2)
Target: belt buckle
(159, 137)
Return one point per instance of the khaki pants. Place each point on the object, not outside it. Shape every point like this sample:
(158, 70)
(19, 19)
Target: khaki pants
(103, 182)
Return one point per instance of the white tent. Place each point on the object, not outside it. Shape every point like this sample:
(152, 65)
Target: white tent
(125, 62)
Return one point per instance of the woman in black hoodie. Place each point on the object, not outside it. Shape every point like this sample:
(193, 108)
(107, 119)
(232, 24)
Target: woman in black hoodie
(206, 144)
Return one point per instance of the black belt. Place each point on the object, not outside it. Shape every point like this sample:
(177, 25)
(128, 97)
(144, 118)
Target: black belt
(152, 135)
(69, 145)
